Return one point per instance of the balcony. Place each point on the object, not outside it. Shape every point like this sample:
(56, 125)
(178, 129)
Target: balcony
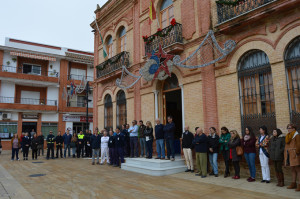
(230, 11)
(13, 100)
(38, 72)
(113, 64)
(171, 43)
(79, 104)
(80, 77)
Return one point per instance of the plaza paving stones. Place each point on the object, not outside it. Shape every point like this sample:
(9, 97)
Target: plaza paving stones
(77, 178)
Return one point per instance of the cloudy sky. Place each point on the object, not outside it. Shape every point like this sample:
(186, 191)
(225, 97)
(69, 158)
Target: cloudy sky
(63, 23)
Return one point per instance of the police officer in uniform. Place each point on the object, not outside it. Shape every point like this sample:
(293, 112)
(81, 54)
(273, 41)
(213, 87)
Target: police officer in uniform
(80, 144)
(50, 145)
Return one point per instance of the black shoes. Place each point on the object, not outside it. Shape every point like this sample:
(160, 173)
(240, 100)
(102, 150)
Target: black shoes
(188, 170)
(211, 174)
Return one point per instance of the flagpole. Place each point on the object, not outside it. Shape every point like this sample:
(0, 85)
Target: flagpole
(104, 48)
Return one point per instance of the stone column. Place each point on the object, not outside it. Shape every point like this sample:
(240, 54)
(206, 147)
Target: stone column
(182, 106)
(156, 102)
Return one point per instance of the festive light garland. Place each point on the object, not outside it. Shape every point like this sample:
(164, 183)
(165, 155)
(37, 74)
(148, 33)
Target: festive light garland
(232, 3)
(160, 33)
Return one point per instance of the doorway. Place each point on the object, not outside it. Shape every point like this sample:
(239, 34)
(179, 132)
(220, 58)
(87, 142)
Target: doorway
(77, 127)
(28, 126)
(172, 106)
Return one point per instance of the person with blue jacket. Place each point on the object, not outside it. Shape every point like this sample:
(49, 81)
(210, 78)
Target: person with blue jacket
(200, 143)
(133, 134)
(95, 141)
(169, 131)
(67, 141)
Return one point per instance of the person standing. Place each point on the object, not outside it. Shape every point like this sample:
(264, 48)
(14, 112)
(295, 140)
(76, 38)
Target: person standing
(59, 143)
(67, 143)
(80, 147)
(262, 144)
(119, 147)
(73, 144)
(41, 139)
(34, 146)
(88, 152)
(50, 145)
(15, 145)
(213, 146)
(232, 144)
(160, 139)
(26, 145)
(104, 148)
(248, 143)
(142, 138)
(149, 139)
(201, 146)
(292, 154)
(169, 130)
(224, 149)
(187, 145)
(276, 149)
(95, 141)
(133, 133)
(126, 143)
(111, 147)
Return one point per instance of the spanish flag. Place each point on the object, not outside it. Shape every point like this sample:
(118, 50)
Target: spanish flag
(152, 12)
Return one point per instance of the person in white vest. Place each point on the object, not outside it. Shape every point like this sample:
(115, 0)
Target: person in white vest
(104, 148)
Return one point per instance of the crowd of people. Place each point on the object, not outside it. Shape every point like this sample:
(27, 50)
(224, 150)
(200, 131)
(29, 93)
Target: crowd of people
(110, 147)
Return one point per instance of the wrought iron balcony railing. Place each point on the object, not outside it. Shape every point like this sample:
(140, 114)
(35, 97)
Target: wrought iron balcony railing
(12, 100)
(38, 72)
(230, 11)
(79, 77)
(173, 37)
(79, 104)
(113, 64)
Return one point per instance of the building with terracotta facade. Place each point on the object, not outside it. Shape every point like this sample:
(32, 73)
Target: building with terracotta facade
(257, 84)
(34, 81)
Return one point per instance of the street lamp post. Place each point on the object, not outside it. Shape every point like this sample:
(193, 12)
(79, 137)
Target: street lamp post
(87, 88)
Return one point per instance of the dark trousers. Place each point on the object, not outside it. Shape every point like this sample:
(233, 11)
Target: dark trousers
(226, 160)
(119, 154)
(134, 147)
(149, 146)
(88, 151)
(170, 148)
(80, 150)
(127, 147)
(278, 166)
(236, 165)
(34, 154)
(59, 148)
(50, 147)
(112, 155)
(25, 151)
(41, 149)
(15, 151)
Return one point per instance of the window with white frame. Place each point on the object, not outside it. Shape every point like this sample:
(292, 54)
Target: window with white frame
(32, 69)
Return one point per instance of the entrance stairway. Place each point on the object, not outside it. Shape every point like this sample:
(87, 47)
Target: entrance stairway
(154, 167)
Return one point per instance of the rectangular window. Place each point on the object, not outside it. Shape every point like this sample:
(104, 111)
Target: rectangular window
(47, 127)
(249, 95)
(7, 129)
(294, 90)
(32, 69)
(77, 74)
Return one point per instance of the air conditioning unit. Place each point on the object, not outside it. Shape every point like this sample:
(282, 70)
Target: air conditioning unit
(6, 116)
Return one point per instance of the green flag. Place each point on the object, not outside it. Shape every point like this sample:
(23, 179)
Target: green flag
(104, 46)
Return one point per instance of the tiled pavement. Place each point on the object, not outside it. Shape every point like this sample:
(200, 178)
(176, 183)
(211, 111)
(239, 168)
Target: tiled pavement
(77, 178)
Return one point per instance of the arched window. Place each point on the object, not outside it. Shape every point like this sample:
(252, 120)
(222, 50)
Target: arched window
(122, 39)
(256, 90)
(166, 13)
(109, 48)
(121, 108)
(108, 112)
(292, 64)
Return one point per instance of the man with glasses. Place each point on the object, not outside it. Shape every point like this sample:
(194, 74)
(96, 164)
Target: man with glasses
(133, 134)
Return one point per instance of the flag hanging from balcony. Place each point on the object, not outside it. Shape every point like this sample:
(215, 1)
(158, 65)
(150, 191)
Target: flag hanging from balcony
(152, 12)
(103, 44)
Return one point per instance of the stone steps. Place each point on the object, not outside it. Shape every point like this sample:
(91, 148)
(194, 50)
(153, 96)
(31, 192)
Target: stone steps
(154, 167)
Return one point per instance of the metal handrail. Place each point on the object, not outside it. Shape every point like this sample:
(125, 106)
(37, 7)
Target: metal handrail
(19, 69)
(79, 77)
(13, 100)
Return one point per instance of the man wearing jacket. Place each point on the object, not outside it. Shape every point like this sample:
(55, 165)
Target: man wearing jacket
(80, 147)
(213, 146)
(50, 145)
(95, 142)
(59, 143)
(119, 147)
(25, 145)
(169, 131)
(201, 146)
(187, 143)
(88, 151)
(142, 138)
(67, 141)
(41, 144)
(160, 141)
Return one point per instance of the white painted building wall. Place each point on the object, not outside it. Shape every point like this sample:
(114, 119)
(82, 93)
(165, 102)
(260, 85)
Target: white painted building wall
(49, 117)
(11, 66)
(7, 89)
(90, 71)
(55, 68)
(52, 94)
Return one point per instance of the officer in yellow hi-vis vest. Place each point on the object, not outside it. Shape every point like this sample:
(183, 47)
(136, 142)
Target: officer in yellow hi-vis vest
(80, 144)
(50, 145)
